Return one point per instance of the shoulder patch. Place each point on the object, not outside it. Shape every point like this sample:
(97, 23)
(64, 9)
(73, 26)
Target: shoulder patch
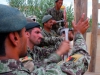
(74, 57)
(25, 59)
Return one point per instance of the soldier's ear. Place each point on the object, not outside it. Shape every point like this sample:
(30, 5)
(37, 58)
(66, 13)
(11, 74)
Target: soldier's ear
(14, 38)
(28, 34)
(44, 24)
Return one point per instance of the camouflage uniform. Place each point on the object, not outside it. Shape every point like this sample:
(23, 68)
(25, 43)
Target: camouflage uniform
(38, 54)
(70, 66)
(56, 15)
(12, 67)
(50, 39)
(46, 34)
(76, 64)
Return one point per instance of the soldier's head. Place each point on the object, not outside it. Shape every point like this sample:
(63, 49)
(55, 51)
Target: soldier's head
(58, 4)
(33, 32)
(47, 21)
(13, 39)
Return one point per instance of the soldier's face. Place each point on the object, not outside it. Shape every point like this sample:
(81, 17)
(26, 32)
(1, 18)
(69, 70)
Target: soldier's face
(35, 36)
(49, 24)
(59, 3)
(23, 43)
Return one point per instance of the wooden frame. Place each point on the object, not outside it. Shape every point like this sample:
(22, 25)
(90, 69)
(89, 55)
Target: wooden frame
(81, 7)
(93, 47)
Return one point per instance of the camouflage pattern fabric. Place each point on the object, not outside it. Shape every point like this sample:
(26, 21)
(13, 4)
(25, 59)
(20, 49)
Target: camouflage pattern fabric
(39, 54)
(27, 63)
(52, 69)
(56, 15)
(12, 67)
(47, 34)
(80, 66)
(50, 39)
(52, 66)
(70, 67)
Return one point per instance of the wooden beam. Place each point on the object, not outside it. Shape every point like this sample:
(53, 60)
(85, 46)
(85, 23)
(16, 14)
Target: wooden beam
(93, 46)
(80, 8)
(98, 5)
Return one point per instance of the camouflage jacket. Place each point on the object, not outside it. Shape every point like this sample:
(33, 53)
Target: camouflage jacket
(47, 34)
(78, 61)
(56, 15)
(76, 64)
(38, 55)
(12, 67)
(50, 39)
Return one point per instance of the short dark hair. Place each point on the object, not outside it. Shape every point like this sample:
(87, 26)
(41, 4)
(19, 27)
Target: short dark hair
(19, 32)
(29, 30)
(3, 37)
(2, 43)
(57, 1)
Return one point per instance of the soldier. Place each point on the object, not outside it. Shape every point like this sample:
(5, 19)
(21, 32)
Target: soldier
(49, 34)
(76, 64)
(48, 22)
(56, 14)
(50, 38)
(13, 46)
(12, 41)
(38, 54)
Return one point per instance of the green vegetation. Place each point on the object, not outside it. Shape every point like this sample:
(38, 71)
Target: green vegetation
(39, 8)
(70, 15)
(32, 7)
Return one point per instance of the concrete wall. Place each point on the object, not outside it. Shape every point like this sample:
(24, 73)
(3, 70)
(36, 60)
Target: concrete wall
(88, 41)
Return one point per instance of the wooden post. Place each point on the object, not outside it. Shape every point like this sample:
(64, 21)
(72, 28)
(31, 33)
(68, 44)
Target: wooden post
(80, 8)
(93, 46)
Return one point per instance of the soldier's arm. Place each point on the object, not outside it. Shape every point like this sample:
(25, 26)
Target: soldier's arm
(77, 63)
(79, 44)
(80, 58)
(53, 53)
(44, 53)
(50, 40)
(47, 41)
(51, 69)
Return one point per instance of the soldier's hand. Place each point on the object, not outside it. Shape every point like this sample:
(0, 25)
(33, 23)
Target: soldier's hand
(63, 48)
(82, 25)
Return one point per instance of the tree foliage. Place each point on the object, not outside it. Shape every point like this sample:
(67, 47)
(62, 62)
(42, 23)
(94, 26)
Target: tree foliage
(90, 24)
(70, 15)
(38, 8)
(32, 7)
